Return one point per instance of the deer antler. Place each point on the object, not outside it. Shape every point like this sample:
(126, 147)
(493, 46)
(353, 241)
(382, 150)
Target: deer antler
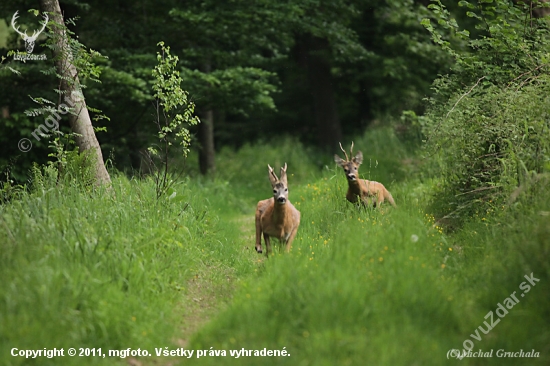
(15, 16)
(351, 150)
(344, 151)
(272, 177)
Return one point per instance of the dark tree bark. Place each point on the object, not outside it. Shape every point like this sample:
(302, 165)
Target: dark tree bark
(79, 118)
(313, 53)
(536, 7)
(207, 152)
(540, 12)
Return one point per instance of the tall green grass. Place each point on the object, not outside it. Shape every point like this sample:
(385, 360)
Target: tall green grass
(107, 269)
(245, 170)
(360, 286)
(113, 269)
(389, 287)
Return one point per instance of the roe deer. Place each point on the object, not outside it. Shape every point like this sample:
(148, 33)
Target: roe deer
(276, 216)
(361, 188)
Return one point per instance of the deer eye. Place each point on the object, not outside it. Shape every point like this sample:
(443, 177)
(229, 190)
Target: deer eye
(286, 189)
(346, 170)
(355, 168)
(274, 191)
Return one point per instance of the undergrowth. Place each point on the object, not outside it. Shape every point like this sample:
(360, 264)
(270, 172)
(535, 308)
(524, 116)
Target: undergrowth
(386, 287)
(116, 269)
(85, 267)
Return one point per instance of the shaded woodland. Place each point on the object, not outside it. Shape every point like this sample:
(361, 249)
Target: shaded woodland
(255, 70)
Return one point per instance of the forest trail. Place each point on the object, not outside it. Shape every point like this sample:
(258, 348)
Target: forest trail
(204, 297)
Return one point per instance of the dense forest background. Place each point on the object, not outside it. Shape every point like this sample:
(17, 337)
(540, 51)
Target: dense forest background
(255, 70)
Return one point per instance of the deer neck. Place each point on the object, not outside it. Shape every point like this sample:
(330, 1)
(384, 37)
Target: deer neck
(354, 186)
(281, 212)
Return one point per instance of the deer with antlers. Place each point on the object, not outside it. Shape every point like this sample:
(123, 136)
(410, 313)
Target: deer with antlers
(29, 41)
(362, 188)
(276, 216)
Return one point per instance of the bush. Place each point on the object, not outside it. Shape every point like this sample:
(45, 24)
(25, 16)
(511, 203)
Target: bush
(487, 123)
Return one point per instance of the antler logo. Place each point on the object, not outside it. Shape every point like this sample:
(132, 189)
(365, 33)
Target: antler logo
(29, 41)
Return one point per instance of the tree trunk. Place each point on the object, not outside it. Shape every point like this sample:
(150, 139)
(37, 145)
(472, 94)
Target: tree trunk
(536, 7)
(314, 54)
(79, 118)
(540, 12)
(207, 153)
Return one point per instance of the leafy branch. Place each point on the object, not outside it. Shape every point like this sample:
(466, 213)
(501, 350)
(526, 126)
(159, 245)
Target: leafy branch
(174, 114)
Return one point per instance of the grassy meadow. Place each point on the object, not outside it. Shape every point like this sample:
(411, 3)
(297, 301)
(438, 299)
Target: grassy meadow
(113, 269)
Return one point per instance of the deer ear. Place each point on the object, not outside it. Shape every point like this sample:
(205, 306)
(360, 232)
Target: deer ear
(358, 159)
(338, 160)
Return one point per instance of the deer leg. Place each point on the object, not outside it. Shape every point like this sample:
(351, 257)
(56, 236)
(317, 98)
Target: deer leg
(258, 245)
(290, 239)
(380, 198)
(267, 245)
(365, 200)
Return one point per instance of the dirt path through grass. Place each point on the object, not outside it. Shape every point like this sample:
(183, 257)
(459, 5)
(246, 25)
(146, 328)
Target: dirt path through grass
(208, 293)
(205, 295)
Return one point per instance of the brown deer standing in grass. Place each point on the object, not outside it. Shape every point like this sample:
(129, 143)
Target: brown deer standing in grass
(276, 216)
(362, 188)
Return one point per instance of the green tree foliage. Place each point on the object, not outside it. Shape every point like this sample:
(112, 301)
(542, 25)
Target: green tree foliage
(222, 47)
(381, 61)
(250, 62)
(173, 119)
(488, 120)
(19, 81)
(402, 60)
(32, 93)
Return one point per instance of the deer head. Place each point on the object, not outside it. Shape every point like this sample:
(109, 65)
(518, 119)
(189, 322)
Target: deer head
(350, 166)
(280, 186)
(29, 41)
